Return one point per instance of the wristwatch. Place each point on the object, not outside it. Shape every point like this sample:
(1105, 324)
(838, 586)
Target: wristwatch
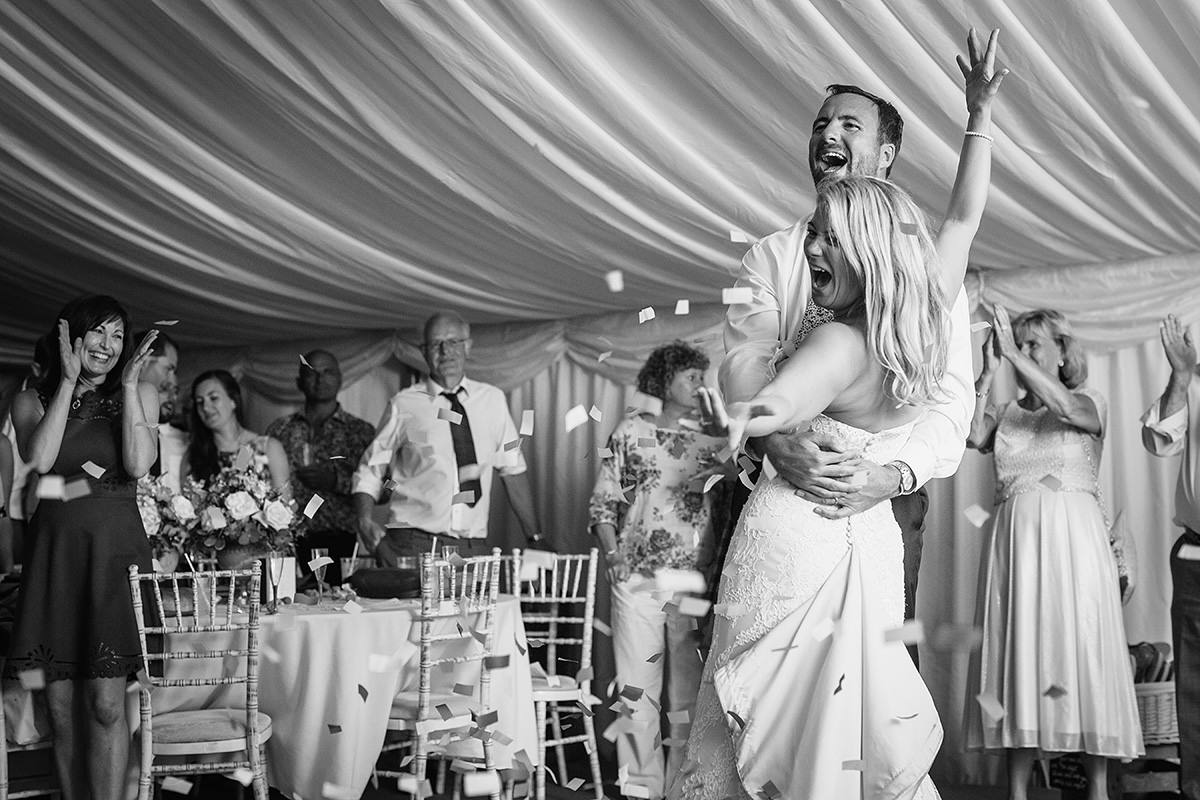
(908, 479)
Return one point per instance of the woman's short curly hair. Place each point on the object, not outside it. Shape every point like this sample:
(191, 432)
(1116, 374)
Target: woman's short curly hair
(1053, 325)
(665, 363)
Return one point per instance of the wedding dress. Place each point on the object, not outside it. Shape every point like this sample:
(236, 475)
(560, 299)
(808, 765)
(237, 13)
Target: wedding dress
(808, 692)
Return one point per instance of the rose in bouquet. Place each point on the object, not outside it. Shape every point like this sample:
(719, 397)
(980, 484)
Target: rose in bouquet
(167, 515)
(239, 507)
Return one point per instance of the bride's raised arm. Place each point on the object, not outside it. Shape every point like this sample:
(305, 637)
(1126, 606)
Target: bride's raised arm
(969, 195)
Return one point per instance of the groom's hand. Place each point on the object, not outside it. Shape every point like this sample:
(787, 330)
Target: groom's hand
(819, 467)
(873, 484)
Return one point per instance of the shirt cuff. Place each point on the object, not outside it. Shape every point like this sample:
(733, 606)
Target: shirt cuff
(1172, 428)
(367, 482)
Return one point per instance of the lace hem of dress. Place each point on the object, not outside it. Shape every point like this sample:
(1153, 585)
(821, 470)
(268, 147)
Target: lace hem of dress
(105, 664)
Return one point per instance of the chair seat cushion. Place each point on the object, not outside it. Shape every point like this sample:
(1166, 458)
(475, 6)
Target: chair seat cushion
(210, 730)
(567, 688)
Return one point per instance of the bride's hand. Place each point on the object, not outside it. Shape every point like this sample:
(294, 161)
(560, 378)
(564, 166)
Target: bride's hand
(713, 419)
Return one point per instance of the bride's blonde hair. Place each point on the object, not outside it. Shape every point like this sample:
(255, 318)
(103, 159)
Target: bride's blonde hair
(885, 239)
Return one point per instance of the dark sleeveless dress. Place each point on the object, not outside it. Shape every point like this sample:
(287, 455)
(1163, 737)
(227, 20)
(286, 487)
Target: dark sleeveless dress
(75, 619)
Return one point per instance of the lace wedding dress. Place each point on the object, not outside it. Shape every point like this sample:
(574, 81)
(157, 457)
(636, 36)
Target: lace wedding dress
(805, 694)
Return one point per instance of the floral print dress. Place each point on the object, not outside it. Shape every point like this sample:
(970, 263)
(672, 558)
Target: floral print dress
(647, 489)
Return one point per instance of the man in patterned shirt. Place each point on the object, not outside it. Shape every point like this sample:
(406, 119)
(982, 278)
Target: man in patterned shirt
(323, 445)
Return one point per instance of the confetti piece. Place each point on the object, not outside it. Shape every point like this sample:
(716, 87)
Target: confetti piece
(909, 228)
(76, 489)
(976, 515)
(646, 314)
(167, 322)
(602, 626)
(444, 712)
(314, 504)
(741, 723)
(746, 480)
(712, 481)
(911, 632)
(683, 307)
(176, 785)
(50, 487)
(318, 562)
(304, 361)
(615, 280)
(575, 784)
(1189, 552)
(489, 719)
(331, 791)
(214, 519)
(379, 458)
(654, 658)
(526, 423)
(736, 295)
(465, 689)
(823, 630)
(461, 767)
(955, 637)
(693, 606)
(770, 791)
(32, 679)
(647, 441)
(242, 460)
(1054, 692)
(495, 662)
(463, 498)
(595, 413)
(243, 776)
(647, 403)
(682, 717)
(632, 692)
(483, 782)
(976, 327)
(453, 417)
(739, 237)
(334, 728)
(604, 452)
(679, 580)
(362, 692)
(575, 417)
(1052, 483)
(853, 765)
(607, 354)
(991, 706)
(841, 681)
(635, 790)
(730, 610)
(93, 469)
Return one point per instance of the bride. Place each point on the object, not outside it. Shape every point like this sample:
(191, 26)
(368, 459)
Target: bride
(808, 692)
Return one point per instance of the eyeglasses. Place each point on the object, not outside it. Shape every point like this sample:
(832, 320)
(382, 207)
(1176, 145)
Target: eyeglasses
(446, 344)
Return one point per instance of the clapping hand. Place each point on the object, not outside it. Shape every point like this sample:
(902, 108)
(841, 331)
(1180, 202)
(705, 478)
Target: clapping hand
(991, 353)
(979, 74)
(133, 368)
(1177, 344)
(70, 355)
(1002, 333)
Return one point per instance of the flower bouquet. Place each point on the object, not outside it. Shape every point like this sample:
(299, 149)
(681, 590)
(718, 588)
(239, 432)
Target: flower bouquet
(237, 508)
(167, 517)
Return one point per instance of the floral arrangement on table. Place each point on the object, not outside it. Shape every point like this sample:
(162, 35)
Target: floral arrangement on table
(167, 516)
(237, 507)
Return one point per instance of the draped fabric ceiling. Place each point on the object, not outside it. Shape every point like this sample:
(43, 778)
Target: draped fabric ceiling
(274, 171)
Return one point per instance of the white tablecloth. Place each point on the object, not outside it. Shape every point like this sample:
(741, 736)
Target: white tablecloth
(314, 661)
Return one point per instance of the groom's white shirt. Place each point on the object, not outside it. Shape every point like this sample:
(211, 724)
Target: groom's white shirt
(776, 271)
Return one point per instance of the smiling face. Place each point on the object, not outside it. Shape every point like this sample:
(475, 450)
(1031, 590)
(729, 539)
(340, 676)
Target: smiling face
(447, 345)
(321, 380)
(835, 284)
(213, 405)
(682, 388)
(1039, 345)
(102, 346)
(845, 140)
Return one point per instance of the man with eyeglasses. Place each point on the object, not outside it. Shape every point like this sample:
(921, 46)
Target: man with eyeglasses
(436, 449)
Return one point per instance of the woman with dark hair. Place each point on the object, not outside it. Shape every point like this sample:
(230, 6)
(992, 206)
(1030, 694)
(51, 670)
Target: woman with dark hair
(652, 510)
(87, 428)
(1053, 673)
(218, 433)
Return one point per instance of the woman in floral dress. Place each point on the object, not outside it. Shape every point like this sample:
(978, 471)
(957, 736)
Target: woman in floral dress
(651, 512)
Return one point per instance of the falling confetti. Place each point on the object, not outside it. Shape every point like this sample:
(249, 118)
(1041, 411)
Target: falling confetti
(911, 632)
(495, 662)
(463, 498)
(50, 487)
(1052, 483)
(176, 785)
(352, 607)
(595, 413)
(909, 228)
(1054, 692)
(841, 681)
(693, 606)
(607, 354)
(169, 322)
(334, 728)
(362, 692)
(646, 314)
(604, 452)
(615, 280)
(379, 458)
(314, 503)
(741, 723)
(526, 423)
(304, 361)
(1189, 552)
(602, 626)
(483, 782)
(453, 417)
(575, 417)
(739, 237)
(32, 680)
(654, 658)
(976, 515)
(976, 327)
(991, 706)
(318, 562)
(683, 307)
(93, 469)
(736, 295)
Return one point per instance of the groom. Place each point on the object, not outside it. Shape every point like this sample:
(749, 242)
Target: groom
(855, 133)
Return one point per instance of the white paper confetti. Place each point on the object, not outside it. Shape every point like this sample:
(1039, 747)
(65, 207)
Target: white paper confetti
(911, 632)
(991, 707)
(679, 580)
(736, 295)
(318, 562)
(823, 630)
(575, 417)
(1187, 552)
(463, 498)
(683, 307)
(615, 280)
(607, 354)
(739, 237)
(380, 458)
(32, 680)
(604, 452)
(243, 776)
(50, 487)
(595, 413)
(171, 783)
(693, 606)
(166, 322)
(93, 469)
(976, 327)
(304, 361)
(453, 417)
(976, 515)
(314, 503)
(483, 782)
(526, 423)
(712, 481)
(646, 314)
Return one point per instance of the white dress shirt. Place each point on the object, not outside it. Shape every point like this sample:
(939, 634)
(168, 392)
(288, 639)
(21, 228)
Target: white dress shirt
(776, 271)
(172, 445)
(1179, 433)
(414, 450)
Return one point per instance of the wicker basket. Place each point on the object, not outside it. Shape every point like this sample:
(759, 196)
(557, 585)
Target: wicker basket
(1156, 710)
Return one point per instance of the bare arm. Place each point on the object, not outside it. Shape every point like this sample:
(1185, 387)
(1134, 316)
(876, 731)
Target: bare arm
(969, 195)
(520, 497)
(139, 437)
(277, 463)
(983, 423)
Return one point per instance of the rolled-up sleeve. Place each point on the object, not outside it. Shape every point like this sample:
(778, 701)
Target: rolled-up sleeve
(1164, 437)
(751, 329)
(373, 466)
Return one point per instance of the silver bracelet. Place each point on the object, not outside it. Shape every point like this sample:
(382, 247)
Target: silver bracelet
(980, 135)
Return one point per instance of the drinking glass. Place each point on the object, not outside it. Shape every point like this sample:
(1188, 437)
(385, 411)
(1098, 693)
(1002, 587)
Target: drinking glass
(319, 572)
(275, 564)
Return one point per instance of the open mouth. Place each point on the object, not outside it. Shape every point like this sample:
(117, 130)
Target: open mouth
(831, 161)
(821, 278)
(99, 358)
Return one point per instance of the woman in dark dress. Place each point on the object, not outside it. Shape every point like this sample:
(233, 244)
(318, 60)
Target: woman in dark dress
(88, 423)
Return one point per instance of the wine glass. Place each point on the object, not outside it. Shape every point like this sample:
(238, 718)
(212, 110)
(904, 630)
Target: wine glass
(275, 565)
(319, 572)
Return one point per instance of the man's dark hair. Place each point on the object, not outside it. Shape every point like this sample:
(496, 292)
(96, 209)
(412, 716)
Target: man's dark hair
(891, 124)
(159, 346)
